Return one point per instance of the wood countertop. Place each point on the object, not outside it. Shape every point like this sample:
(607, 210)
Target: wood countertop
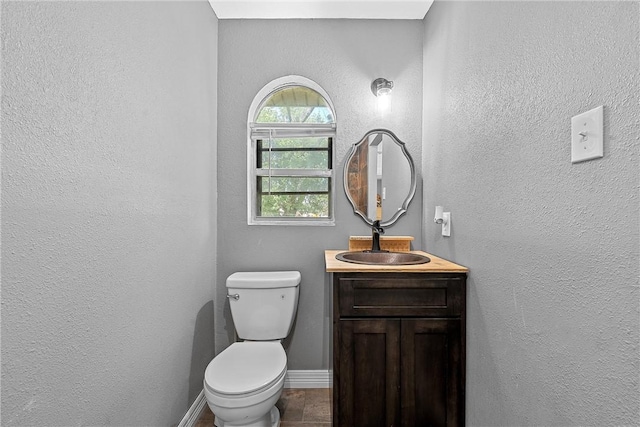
(437, 265)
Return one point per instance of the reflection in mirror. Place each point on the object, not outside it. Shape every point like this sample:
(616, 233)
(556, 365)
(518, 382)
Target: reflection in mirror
(379, 177)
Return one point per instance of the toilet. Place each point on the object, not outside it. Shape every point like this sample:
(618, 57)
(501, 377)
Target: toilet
(243, 383)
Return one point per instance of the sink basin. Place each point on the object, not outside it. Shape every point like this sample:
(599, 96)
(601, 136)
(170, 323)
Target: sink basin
(382, 258)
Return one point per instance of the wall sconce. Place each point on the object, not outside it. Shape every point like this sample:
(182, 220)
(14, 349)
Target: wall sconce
(443, 218)
(381, 88)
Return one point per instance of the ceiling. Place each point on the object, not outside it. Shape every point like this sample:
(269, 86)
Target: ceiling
(320, 9)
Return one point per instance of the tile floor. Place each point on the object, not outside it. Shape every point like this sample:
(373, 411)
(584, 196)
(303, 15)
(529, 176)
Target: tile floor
(299, 407)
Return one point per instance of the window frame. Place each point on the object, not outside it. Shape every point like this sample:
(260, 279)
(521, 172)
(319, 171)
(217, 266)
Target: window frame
(284, 130)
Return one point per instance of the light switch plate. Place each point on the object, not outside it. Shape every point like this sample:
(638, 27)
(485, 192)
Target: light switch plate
(587, 135)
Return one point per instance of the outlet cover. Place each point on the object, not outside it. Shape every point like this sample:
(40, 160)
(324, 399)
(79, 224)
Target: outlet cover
(587, 135)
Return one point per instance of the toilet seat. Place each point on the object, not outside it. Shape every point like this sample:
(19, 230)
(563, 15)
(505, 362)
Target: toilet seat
(246, 368)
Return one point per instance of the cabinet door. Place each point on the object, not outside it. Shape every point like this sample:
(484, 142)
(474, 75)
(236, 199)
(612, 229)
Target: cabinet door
(432, 378)
(368, 383)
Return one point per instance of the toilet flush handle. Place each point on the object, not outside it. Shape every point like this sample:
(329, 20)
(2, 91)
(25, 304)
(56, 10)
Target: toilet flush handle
(234, 296)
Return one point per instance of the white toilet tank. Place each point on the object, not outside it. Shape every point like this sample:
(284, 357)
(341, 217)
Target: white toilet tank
(263, 304)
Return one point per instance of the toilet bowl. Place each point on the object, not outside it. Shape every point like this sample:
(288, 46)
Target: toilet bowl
(243, 383)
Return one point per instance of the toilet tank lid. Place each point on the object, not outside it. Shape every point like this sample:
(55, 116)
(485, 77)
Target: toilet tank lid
(264, 279)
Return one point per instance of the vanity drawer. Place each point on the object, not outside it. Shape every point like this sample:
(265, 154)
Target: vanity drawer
(400, 295)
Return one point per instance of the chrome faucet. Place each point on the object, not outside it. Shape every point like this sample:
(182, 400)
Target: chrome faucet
(376, 230)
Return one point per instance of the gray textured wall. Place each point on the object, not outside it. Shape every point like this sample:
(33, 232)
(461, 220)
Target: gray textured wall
(108, 210)
(343, 57)
(553, 301)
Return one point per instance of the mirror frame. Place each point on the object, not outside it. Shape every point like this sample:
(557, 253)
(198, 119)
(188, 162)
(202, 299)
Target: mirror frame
(412, 191)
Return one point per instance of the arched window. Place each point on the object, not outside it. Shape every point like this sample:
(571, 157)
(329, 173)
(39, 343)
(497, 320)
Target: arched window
(291, 128)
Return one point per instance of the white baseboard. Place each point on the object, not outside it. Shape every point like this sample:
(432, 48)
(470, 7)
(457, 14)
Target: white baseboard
(294, 379)
(191, 417)
(308, 379)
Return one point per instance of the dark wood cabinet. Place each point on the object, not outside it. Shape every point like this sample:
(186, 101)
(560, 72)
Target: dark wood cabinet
(367, 373)
(399, 349)
(432, 386)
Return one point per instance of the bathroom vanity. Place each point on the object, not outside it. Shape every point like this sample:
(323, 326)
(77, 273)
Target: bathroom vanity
(398, 343)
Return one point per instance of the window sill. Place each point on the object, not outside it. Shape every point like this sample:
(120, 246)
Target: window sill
(312, 223)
